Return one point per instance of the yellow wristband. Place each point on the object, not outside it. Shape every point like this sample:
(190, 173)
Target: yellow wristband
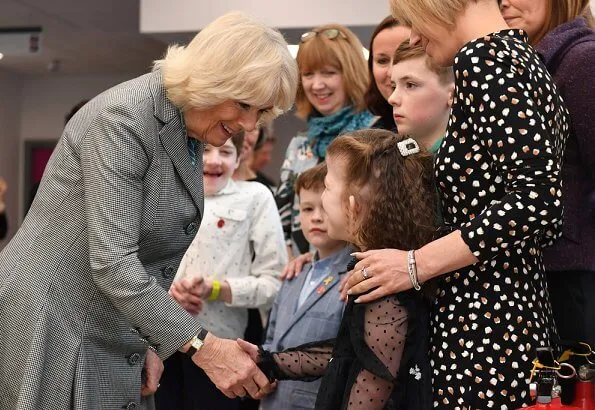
(215, 291)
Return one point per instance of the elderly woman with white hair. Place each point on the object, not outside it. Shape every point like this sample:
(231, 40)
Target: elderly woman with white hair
(85, 315)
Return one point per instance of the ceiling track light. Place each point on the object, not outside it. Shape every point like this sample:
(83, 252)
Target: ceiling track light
(20, 40)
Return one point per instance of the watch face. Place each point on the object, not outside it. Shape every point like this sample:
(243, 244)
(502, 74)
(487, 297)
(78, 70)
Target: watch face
(196, 343)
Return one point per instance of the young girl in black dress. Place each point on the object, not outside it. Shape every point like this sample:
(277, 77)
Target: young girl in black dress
(379, 193)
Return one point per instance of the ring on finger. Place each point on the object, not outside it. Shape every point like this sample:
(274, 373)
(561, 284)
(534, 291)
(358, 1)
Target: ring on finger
(364, 273)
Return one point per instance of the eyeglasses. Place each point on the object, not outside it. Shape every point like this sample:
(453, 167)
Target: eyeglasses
(331, 34)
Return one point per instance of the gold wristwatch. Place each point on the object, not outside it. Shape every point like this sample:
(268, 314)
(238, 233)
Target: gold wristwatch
(197, 342)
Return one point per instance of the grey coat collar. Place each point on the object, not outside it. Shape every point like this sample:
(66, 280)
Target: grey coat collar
(174, 140)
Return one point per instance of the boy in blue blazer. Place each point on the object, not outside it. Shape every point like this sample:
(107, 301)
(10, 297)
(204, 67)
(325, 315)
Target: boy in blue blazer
(308, 308)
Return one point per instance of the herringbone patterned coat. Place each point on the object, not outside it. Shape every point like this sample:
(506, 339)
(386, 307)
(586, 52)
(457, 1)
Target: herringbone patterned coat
(83, 283)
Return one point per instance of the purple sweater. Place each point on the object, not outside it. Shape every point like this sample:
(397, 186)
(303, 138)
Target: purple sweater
(569, 54)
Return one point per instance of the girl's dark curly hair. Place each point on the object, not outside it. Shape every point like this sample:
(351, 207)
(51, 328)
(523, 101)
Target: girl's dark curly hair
(396, 193)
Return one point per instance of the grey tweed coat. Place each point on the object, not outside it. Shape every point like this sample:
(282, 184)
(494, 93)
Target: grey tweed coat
(83, 283)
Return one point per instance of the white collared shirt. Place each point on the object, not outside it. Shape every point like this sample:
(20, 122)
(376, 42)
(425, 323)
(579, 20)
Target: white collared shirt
(240, 241)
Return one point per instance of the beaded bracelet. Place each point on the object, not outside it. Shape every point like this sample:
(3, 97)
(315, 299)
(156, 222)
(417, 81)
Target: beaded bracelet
(412, 268)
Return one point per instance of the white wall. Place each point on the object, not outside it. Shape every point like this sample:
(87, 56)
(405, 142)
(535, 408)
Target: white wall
(192, 15)
(158, 16)
(47, 99)
(11, 86)
(43, 104)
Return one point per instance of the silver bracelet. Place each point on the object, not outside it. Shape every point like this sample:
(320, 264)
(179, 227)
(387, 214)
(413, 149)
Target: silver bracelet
(412, 268)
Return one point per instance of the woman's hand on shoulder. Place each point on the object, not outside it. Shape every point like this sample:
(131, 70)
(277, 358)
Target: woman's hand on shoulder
(385, 272)
(295, 266)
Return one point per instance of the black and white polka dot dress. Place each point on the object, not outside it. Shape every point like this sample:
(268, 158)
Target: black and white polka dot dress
(498, 174)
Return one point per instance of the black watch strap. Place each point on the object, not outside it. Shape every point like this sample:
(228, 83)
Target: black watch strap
(201, 335)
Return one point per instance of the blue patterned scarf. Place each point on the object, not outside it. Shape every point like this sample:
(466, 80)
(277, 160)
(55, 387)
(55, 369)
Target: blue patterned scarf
(323, 130)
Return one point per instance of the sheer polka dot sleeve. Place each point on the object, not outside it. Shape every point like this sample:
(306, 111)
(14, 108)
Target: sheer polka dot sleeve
(305, 362)
(379, 353)
(372, 354)
(510, 118)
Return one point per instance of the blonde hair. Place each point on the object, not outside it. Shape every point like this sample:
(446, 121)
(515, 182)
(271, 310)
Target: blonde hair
(233, 58)
(345, 53)
(424, 13)
(406, 51)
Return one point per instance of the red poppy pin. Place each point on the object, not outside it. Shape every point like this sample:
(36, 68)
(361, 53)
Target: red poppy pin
(220, 223)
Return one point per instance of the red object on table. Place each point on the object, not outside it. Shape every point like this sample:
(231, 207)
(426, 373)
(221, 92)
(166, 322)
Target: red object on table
(584, 395)
(556, 404)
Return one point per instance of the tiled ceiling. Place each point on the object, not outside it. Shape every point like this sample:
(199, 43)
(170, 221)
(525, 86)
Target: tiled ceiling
(84, 36)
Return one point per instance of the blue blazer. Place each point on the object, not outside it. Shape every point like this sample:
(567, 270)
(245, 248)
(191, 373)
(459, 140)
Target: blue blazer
(318, 318)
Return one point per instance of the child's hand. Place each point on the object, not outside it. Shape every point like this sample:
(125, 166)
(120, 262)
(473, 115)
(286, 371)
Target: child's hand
(252, 351)
(189, 293)
(205, 288)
